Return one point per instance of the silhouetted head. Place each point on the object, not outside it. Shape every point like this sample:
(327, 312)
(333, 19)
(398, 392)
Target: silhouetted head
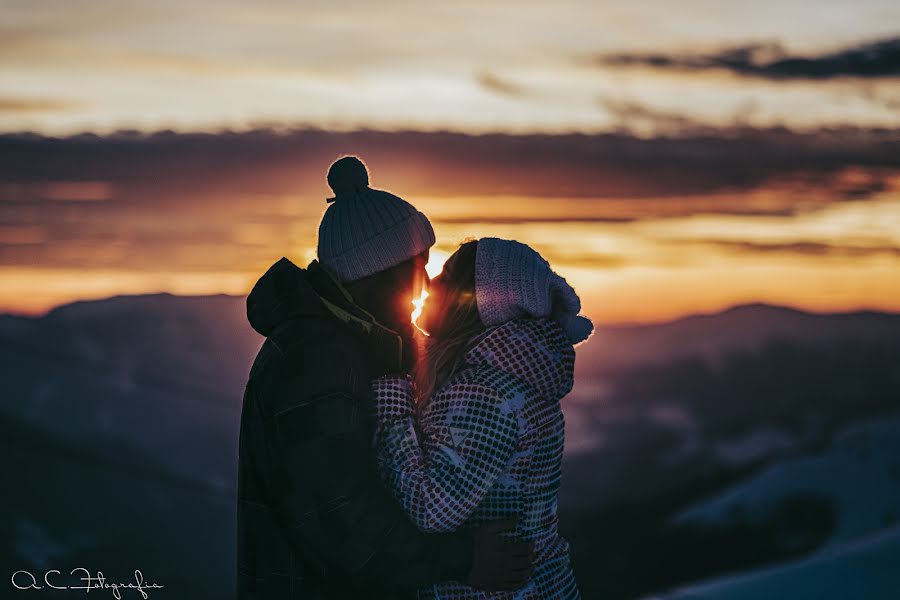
(449, 317)
(375, 243)
(364, 230)
(451, 294)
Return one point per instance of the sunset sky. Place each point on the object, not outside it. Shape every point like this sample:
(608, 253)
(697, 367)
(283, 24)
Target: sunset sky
(667, 158)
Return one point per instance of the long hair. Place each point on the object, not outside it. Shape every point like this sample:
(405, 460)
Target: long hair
(455, 321)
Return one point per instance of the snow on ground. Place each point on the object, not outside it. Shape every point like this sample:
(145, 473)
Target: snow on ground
(867, 570)
(859, 474)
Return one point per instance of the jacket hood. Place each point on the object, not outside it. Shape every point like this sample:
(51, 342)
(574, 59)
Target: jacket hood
(535, 351)
(285, 292)
(282, 293)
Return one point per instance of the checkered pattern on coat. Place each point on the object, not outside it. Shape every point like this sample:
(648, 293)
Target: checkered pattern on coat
(487, 446)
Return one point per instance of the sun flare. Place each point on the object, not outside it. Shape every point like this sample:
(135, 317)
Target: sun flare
(436, 259)
(419, 304)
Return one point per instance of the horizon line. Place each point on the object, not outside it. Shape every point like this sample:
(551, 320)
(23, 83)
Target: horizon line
(699, 313)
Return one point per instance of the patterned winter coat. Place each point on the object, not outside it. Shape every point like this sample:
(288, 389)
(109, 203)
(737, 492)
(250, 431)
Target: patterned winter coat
(487, 446)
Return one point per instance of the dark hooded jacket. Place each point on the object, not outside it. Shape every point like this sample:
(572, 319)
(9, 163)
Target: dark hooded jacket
(313, 519)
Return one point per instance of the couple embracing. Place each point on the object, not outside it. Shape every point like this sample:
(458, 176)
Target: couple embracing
(376, 465)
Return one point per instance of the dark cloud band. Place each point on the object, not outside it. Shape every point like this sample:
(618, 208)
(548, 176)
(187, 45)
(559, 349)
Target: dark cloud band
(169, 167)
(878, 59)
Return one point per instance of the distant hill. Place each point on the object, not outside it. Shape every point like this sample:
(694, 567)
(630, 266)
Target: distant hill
(160, 374)
(200, 340)
(180, 325)
(710, 336)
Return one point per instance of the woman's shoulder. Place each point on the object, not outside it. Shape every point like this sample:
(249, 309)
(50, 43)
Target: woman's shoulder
(484, 374)
(475, 386)
(531, 352)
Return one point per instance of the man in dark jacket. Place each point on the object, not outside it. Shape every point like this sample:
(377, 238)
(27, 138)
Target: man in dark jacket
(313, 519)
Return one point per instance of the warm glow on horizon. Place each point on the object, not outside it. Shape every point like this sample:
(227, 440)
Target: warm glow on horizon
(839, 258)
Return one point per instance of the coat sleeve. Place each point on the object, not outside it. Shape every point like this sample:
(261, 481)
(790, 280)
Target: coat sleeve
(332, 499)
(440, 476)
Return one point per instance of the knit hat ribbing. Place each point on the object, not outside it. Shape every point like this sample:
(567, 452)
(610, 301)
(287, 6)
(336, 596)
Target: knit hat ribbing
(512, 280)
(365, 230)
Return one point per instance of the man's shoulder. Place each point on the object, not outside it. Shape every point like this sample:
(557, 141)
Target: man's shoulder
(310, 359)
(316, 336)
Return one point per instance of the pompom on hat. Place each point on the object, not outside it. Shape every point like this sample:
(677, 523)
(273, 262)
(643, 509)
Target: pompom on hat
(347, 175)
(364, 230)
(512, 280)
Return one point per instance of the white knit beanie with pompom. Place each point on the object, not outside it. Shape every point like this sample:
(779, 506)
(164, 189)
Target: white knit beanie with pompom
(512, 280)
(364, 230)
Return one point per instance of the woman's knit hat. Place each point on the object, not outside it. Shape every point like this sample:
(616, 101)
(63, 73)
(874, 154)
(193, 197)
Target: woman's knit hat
(364, 230)
(512, 281)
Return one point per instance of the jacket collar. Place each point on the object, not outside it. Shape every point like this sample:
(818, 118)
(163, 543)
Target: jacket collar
(387, 343)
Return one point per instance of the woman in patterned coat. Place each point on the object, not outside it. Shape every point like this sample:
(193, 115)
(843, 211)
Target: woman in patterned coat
(476, 433)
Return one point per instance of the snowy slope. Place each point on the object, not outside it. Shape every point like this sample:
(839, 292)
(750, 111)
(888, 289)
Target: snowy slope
(867, 570)
(859, 474)
(710, 336)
